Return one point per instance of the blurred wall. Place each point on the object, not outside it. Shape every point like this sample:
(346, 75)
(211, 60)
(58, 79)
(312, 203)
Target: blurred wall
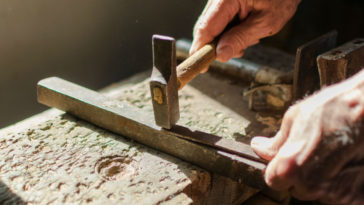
(90, 42)
(316, 17)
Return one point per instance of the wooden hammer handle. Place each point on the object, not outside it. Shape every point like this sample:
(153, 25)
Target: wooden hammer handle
(193, 65)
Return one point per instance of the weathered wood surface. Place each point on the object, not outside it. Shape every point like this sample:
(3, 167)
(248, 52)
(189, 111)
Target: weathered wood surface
(56, 158)
(65, 160)
(242, 164)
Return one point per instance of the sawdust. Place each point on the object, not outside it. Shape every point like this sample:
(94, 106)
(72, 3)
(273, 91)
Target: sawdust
(198, 111)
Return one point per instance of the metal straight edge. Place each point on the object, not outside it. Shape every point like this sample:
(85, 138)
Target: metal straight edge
(137, 125)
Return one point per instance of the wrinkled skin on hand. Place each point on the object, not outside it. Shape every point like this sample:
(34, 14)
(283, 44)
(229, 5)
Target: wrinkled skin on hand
(258, 19)
(318, 154)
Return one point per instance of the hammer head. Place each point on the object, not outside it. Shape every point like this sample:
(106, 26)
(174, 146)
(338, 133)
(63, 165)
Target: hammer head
(163, 82)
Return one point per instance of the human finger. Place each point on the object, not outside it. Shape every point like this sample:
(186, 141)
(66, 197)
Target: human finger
(247, 33)
(212, 22)
(208, 5)
(282, 172)
(267, 148)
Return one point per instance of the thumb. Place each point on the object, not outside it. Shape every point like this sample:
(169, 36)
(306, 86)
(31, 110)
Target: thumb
(261, 146)
(266, 147)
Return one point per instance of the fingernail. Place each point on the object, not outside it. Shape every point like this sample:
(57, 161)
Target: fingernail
(224, 53)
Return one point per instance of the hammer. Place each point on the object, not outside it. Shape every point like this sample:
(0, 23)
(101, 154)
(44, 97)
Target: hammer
(166, 79)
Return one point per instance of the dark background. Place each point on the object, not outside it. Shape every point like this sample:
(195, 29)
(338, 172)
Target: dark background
(95, 43)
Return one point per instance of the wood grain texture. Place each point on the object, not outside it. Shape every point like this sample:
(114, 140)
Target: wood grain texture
(193, 65)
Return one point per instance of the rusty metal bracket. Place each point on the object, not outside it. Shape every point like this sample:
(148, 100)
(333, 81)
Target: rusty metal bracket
(306, 78)
(225, 157)
(341, 62)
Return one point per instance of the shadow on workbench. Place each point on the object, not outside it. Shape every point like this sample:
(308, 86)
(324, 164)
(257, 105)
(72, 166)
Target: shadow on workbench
(229, 91)
(7, 196)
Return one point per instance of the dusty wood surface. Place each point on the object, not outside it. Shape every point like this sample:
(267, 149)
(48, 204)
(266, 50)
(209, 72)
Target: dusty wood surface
(64, 160)
(77, 162)
(136, 124)
(56, 158)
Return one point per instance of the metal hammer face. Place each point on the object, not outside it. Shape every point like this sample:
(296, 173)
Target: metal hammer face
(163, 82)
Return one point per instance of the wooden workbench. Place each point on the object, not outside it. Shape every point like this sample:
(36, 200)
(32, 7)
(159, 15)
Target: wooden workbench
(56, 158)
